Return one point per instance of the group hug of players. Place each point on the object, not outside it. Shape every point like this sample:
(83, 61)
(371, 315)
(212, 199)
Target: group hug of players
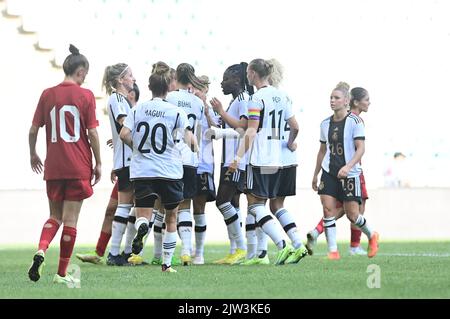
(164, 161)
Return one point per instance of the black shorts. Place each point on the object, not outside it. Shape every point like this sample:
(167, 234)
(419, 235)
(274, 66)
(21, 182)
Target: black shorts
(190, 182)
(343, 189)
(288, 178)
(205, 186)
(146, 191)
(262, 182)
(123, 179)
(236, 179)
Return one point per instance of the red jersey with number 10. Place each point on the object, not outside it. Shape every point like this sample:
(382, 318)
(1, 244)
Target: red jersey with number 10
(67, 111)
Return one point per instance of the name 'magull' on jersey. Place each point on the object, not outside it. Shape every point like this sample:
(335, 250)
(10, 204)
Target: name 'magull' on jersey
(206, 160)
(238, 109)
(154, 125)
(340, 140)
(193, 107)
(272, 107)
(118, 107)
(288, 158)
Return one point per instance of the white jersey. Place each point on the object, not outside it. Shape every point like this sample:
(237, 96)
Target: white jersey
(154, 125)
(288, 158)
(340, 140)
(271, 106)
(206, 160)
(193, 107)
(237, 109)
(118, 107)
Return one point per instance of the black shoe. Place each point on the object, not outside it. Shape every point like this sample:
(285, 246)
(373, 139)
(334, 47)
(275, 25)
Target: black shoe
(116, 260)
(125, 256)
(34, 273)
(138, 241)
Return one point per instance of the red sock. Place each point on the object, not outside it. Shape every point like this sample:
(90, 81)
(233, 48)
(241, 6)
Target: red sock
(102, 243)
(355, 239)
(49, 231)
(68, 237)
(319, 226)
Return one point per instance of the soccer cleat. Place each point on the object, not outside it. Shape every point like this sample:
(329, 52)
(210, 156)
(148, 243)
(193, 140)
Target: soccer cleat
(311, 242)
(334, 255)
(156, 261)
(297, 255)
(357, 251)
(283, 254)
(35, 271)
(166, 268)
(222, 261)
(116, 260)
(373, 245)
(186, 260)
(175, 261)
(138, 241)
(237, 257)
(256, 261)
(92, 258)
(70, 281)
(135, 260)
(198, 260)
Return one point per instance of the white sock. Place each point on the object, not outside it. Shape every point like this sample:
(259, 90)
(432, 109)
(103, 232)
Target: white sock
(250, 234)
(200, 233)
(288, 223)
(329, 225)
(361, 223)
(261, 239)
(185, 231)
(232, 220)
(268, 224)
(118, 227)
(158, 234)
(150, 225)
(131, 231)
(169, 243)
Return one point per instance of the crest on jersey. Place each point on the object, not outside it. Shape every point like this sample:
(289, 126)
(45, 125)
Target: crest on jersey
(334, 137)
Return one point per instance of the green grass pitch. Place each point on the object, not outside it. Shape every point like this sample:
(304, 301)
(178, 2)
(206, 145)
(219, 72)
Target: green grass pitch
(407, 270)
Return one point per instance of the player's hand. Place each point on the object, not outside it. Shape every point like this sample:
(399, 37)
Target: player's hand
(113, 177)
(36, 164)
(343, 172)
(314, 183)
(216, 105)
(233, 167)
(110, 143)
(97, 173)
(292, 147)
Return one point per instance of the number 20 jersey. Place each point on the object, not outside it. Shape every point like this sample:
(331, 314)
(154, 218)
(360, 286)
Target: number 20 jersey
(154, 126)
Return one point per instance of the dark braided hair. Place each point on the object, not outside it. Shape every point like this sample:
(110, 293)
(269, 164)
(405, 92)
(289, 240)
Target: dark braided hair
(186, 75)
(240, 71)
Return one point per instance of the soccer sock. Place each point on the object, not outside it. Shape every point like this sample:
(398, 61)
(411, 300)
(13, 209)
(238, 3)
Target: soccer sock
(268, 224)
(49, 231)
(169, 243)
(118, 227)
(319, 228)
(330, 232)
(67, 242)
(158, 235)
(130, 231)
(250, 234)
(200, 233)
(288, 223)
(150, 225)
(102, 243)
(355, 236)
(261, 239)
(362, 224)
(232, 220)
(185, 231)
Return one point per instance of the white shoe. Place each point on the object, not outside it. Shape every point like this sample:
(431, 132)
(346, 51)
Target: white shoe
(198, 260)
(357, 251)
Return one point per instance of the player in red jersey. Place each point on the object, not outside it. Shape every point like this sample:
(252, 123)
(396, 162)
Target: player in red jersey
(359, 102)
(68, 113)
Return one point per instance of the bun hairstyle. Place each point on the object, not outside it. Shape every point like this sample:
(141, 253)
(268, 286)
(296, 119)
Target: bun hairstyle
(111, 76)
(276, 77)
(357, 94)
(74, 60)
(344, 88)
(160, 78)
(262, 67)
(186, 75)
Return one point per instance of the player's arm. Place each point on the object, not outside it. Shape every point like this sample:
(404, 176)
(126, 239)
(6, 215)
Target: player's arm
(125, 136)
(320, 156)
(95, 145)
(360, 149)
(294, 129)
(35, 161)
(190, 140)
(249, 138)
(231, 121)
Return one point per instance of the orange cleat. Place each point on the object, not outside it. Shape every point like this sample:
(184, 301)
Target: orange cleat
(373, 245)
(334, 255)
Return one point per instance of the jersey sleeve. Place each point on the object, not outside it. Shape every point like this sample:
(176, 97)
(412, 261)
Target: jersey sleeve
(359, 131)
(118, 107)
(254, 106)
(90, 115)
(323, 137)
(39, 116)
(129, 120)
(289, 113)
(243, 109)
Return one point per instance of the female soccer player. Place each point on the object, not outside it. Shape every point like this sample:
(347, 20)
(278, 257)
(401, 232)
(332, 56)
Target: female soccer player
(156, 167)
(68, 113)
(341, 149)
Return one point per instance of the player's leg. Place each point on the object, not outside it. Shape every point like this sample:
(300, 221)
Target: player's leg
(329, 221)
(199, 203)
(355, 239)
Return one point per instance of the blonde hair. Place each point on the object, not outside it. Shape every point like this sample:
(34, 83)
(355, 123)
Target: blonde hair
(112, 75)
(276, 77)
(262, 67)
(204, 79)
(344, 88)
(160, 78)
